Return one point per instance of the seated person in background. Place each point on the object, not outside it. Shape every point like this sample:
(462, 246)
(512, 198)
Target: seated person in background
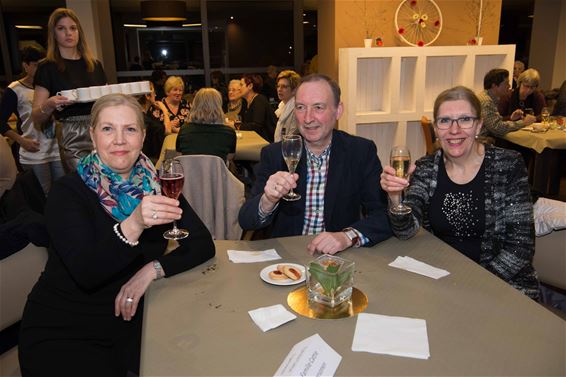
(21, 206)
(39, 150)
(518, 68)
(496, 86)
(525, 96)
(219, 83)
(235, 101)
(475, 197)
(337, 178)
(560, 105)
(177, 109)
(205, 133)
(8, 170)
(287, 82)
(258, 115)
(157, 125)
(106, 224)
(158, 78)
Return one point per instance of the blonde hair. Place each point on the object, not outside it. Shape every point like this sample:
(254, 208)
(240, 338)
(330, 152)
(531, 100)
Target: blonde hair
(207, 107)
(173, 82)
(291, 76)
(53, 53)
(530, 77)
(116, 99)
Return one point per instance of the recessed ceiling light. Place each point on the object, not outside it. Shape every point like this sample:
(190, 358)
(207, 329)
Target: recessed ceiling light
(37, 27)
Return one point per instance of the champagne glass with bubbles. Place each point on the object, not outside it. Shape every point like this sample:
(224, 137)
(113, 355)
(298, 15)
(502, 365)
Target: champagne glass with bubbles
(172, 178)
(291, 148)
(401, 161)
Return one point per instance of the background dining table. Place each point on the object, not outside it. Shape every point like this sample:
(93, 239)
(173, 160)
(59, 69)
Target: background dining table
(248, 146)
(197, 323)
(548, 147)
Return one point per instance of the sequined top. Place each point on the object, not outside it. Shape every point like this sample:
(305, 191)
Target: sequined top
(508, 241)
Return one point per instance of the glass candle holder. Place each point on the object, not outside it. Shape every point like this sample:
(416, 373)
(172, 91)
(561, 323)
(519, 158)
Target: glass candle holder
(330, 280)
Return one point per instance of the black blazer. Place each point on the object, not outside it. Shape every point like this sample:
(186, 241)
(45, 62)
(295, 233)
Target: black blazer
(353, 195)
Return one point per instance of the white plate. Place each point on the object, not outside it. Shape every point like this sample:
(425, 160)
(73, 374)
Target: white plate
(264, 274)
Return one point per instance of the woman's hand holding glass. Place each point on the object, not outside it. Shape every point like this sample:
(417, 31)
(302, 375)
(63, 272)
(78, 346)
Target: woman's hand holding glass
(394, 185)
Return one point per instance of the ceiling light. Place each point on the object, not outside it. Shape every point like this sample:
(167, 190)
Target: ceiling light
(134, 25)
(163, 10)
(37, 27)
(189, 25)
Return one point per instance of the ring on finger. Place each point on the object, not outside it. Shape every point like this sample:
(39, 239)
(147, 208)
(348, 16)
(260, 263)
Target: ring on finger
(129, 300)
(154, 215)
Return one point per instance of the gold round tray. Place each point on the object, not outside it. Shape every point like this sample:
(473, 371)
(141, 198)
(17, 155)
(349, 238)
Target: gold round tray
(299, 302)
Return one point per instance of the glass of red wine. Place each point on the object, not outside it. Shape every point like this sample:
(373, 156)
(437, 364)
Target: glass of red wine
(172, 179)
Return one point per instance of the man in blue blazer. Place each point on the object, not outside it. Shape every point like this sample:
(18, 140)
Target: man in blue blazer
(337, 178)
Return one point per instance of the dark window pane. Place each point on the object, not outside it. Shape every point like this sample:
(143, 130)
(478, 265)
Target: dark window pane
(250, 33)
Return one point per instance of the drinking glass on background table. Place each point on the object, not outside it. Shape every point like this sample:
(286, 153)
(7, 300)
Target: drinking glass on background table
(172, 178)
(400, 160)
(237, 125)
(292, 148)
(545, 115)
(529, 111)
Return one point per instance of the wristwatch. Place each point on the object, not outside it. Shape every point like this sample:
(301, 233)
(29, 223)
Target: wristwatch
(352, 236)
(158, 269)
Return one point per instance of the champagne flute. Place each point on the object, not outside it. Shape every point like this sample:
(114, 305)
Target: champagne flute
(237, 125)
(172, 179)
(400, 161)
(291, 148)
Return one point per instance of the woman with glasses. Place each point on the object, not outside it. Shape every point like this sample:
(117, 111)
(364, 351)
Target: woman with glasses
(473, 196)
(526, 96)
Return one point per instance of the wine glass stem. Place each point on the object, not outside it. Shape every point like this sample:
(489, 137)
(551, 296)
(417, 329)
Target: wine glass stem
(175, 226)
(401, 199)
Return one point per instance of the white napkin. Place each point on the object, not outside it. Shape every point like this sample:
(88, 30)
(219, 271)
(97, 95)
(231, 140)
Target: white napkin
(244, 256)
(310, 357)
(398, 336)
(270, 317)
(418, 267)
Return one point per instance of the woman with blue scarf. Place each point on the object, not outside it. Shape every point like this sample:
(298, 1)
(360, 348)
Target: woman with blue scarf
(106, 223)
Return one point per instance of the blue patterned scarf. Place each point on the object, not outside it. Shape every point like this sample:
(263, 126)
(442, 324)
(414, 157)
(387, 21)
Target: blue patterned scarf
(119, 197)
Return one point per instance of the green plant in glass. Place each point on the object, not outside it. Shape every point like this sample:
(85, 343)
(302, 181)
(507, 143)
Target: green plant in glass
(330, 280)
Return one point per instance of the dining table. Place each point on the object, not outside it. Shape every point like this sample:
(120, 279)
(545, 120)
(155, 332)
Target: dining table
(248, 146)
(197, 324)
(547, 147)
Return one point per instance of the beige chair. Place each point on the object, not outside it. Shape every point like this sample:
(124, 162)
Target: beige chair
(215, 194)
(428, 133)
(550, 258)
(18, 274)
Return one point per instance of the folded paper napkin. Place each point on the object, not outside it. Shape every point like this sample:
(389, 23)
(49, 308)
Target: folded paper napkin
(271, 317)
(243, 256)
(418, 267)
(398, 336)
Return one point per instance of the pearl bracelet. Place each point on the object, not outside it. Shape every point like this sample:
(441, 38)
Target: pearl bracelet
(122, 238)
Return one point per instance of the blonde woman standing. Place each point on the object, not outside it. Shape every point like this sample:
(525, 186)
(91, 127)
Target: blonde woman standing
(287, 82)
(69, 64)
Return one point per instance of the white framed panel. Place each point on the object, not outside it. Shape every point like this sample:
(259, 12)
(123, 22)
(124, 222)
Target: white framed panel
(386, 90)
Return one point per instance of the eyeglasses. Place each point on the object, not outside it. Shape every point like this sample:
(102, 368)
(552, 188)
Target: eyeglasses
(463, 122)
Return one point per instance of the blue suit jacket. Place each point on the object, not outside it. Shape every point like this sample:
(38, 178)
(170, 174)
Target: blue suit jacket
(353, 195)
